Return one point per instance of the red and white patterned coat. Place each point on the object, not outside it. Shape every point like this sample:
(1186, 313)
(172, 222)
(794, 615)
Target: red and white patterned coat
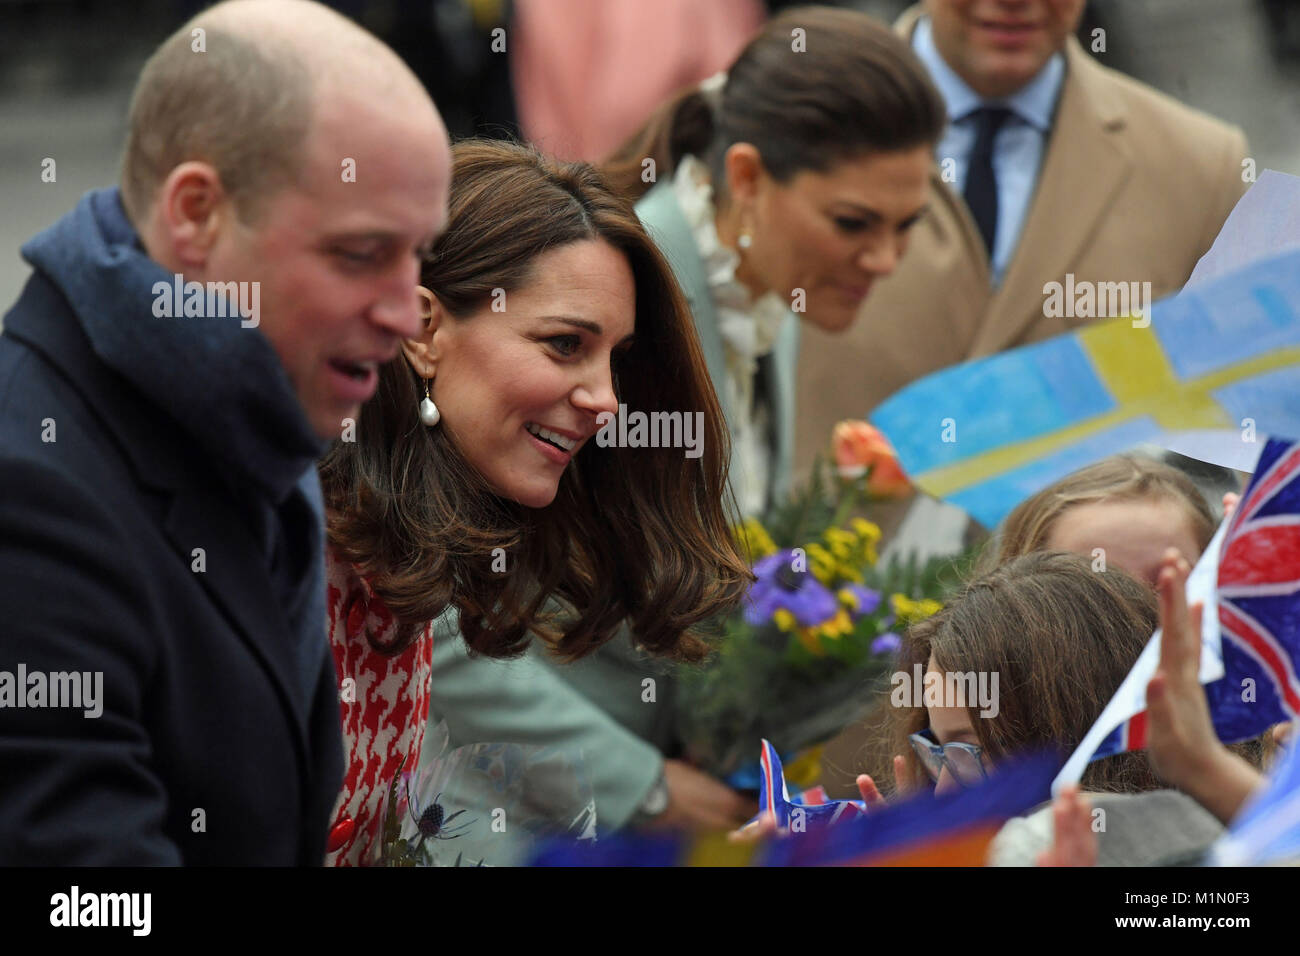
(383, 710)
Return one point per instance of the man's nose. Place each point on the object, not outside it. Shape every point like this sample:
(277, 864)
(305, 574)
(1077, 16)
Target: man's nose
(398, 308)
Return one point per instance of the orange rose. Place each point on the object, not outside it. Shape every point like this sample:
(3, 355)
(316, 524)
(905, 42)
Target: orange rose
(858, 446)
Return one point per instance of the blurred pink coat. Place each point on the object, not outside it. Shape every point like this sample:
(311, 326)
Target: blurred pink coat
(588, 73)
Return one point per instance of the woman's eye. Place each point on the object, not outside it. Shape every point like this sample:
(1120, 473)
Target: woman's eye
(565, 344)
(849, 224)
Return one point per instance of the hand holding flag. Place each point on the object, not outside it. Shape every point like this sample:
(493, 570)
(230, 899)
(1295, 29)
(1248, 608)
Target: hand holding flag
(1250, 574)
(1180, 733)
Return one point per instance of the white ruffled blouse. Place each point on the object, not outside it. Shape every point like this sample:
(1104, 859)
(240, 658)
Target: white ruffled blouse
(748, 328)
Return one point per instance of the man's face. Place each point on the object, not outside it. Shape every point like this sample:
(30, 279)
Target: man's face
(338, 254)
(997, 46)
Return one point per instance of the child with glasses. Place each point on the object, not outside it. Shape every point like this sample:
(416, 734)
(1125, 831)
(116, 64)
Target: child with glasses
(1061, 637)
(1054, 639)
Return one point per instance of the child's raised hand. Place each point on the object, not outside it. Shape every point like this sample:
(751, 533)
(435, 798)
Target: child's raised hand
(1073, 842)
(871, 795)
(1181, 741)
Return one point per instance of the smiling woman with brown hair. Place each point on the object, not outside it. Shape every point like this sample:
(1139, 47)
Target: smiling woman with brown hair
(473, 483)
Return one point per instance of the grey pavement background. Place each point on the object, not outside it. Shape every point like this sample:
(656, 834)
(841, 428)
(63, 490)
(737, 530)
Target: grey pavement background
(67, 68)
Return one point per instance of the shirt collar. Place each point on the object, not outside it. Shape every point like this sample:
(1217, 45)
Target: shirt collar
(1034, 102)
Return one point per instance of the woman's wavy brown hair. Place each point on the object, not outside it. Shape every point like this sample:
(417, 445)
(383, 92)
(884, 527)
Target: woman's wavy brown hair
(636, 534)
(854, 89)
(1061, 638)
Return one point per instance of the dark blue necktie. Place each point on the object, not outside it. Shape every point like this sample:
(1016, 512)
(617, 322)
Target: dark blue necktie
(981, 193)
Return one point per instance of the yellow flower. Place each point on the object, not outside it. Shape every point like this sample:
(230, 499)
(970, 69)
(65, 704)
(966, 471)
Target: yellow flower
(822, 563)
(841, 543)
(909, 612)
(838, 626)
(805, 769)
(754, 539)
(868, 530)
(784, 619)
(808, 638)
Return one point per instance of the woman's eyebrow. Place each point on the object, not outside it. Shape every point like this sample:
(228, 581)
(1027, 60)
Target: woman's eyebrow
(592, 327)
(858, 208)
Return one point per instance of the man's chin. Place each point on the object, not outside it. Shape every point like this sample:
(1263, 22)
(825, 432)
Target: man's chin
(333, 426)
(1005, 74)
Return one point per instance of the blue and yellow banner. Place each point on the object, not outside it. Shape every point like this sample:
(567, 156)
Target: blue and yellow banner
(1225, 354)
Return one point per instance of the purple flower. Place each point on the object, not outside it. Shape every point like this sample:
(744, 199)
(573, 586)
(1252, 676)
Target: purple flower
(887, 643)
(811, 604)
(780, 586)
(867, 600)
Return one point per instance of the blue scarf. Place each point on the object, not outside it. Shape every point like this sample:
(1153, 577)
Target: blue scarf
(223, 383)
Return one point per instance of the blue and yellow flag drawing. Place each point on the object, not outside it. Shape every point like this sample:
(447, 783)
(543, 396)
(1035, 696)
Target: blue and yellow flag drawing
(1222, 355)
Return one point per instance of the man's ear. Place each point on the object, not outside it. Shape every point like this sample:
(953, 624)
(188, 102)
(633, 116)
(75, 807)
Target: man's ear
(188, 217)
(744, 169)
(421, 351)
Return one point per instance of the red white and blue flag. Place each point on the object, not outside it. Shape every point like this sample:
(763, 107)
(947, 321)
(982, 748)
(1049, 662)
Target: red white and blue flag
(1259, 602)
(798, 814)
(1250, 652)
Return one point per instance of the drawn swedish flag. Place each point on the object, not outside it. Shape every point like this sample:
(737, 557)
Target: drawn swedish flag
(1223, 355)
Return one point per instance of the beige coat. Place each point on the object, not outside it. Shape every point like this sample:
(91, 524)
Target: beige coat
(1134, 186)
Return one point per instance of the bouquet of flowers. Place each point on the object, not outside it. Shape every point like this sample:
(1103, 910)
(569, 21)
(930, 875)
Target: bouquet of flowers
(819, 630)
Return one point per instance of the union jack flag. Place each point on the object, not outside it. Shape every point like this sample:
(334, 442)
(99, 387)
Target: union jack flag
(1251, 572)
(1259, 602)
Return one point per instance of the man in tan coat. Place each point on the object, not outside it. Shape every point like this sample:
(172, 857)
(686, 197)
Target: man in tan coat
(1094, 176)
(1125, 184)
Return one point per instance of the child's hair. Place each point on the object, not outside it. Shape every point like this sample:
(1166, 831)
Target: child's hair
(1061, 639)
(1118, 478)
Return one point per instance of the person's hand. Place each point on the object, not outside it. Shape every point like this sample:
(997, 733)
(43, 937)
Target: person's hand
(871, 794)
(1073, 842)
(1230, 500)
(697, 801)
(1181, 742)
(755, 831)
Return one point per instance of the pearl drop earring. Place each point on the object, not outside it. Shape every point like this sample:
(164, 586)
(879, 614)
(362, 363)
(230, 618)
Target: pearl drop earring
(745, 240)
(429, 413)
